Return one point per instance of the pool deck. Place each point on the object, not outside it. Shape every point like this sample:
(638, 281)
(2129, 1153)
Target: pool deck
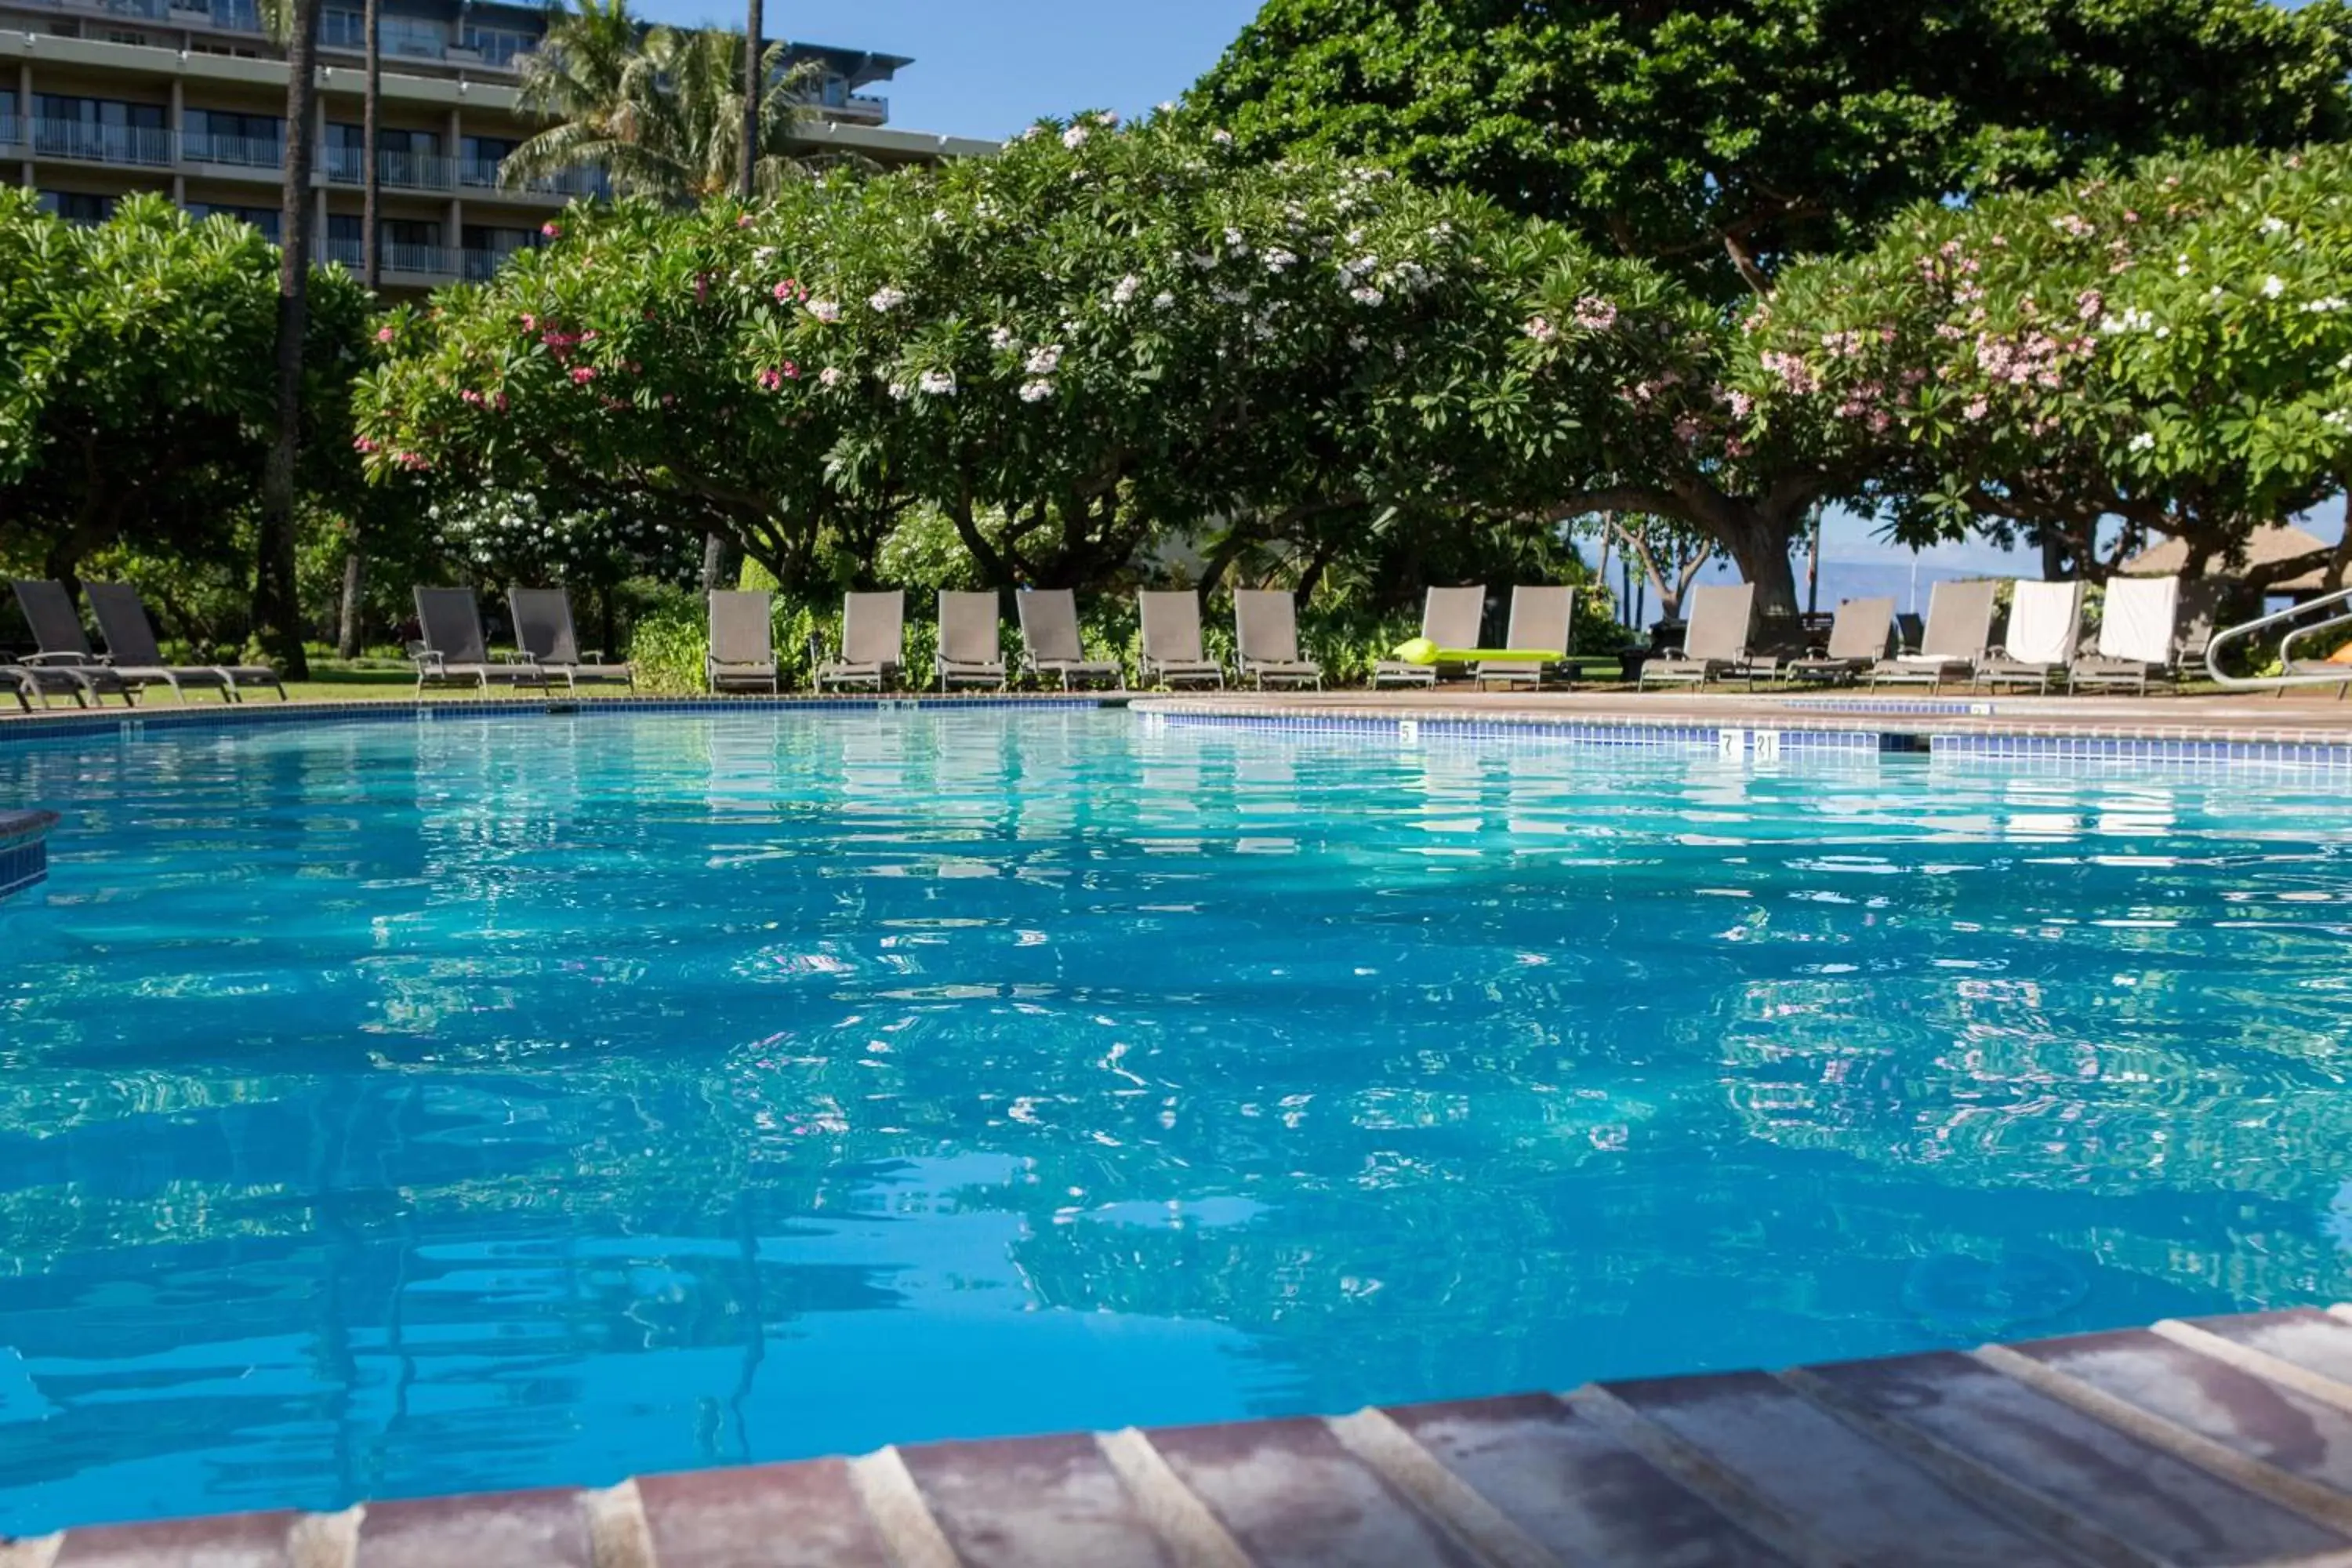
(2223, 1440)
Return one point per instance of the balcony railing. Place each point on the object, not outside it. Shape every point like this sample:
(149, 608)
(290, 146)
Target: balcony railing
(139, 10)
(402, 261)
(402, 170)
(103, 143)
(483, 174)
(483, 264)
(236, 15)
(12, 131)
(243, 151)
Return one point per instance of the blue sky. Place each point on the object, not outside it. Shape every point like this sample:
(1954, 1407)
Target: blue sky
(987, 67)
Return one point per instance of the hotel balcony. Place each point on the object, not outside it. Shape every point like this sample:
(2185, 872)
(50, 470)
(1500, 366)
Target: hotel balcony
(233, 152)
(135, 146)
(416, 264)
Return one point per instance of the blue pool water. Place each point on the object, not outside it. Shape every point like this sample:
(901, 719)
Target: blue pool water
(400, 1108)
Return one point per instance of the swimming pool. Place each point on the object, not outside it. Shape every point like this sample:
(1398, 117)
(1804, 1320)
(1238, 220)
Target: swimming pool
(414, 1107)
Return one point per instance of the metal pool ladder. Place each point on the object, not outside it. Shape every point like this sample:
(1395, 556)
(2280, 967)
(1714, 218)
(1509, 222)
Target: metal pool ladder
(2340, 678)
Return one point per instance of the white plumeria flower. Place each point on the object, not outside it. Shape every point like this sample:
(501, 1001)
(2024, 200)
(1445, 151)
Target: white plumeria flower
(1036, 391)
(829, 377)
(1125, 290)
(825, 311)
(2274, 286)
(885, 299)
(1163, 300)
(1366, 297)
(937, 384)
(1002, 340)
(2143, 442)
(1222, 138)
(1280, 261)
(1044, 360)
(2274, 226)
(1075, 137)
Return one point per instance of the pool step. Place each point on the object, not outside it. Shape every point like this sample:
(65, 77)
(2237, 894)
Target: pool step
(2225, 1440)
(24, 848)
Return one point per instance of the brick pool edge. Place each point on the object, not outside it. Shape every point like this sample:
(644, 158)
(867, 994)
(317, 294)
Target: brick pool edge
(2217, 1440)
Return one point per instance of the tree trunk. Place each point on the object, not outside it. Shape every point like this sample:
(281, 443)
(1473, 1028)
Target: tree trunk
(753, 90)
(348, 637)
(370, 172)
(721, 564)
(277, 608)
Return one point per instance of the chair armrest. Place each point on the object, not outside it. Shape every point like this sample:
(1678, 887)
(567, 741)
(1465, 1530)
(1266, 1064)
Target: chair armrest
(54, 659)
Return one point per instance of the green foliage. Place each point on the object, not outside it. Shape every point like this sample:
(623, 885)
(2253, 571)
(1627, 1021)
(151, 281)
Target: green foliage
(1724, 137)
(140, 395)
(667, 648)
(2172, 347)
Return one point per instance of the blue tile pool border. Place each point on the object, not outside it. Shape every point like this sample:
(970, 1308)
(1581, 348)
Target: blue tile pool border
(1803, 734)
(1807, 728)
(133, 723)
(24, 848)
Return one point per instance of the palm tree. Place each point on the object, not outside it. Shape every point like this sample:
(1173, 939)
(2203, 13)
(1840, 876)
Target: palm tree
(665, 112)
(347, 631)
(277, 607)
(754, 57)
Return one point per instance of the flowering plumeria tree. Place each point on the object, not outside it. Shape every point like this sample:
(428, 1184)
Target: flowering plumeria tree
(2172, 348)
(1108, 333)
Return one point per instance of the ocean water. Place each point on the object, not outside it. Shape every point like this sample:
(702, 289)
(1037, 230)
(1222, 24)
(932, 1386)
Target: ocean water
(392, 1109)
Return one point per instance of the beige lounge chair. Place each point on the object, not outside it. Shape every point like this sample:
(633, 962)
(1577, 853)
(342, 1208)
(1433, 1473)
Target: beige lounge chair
(1715, 639)
(543, 630)
(129, 635)
(2139, 632)
(742, 652)
(1050, 644)
(873, 641)
(2045, 623)
(969, 652)
(1450, 617)
(1859, 637)
(66, 661)
(1172, 653)
(1542, 619)
(452, 648)
(1266, 639)
(1959, 626)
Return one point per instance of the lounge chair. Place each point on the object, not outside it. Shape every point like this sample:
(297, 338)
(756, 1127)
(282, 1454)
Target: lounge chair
(1172, 650)
(1541, 621)
(2139, 628)
(84, 683)
(873, 641)
(970, 652)
(1050, 644)
(452, 649)
(64, 650)
(1959, 626)
(1450, 617)
(542, 628)
(129, 635)
(2046, 622)
(1265, 638)
(1714, 640)
(742, 652)
(1858, 640)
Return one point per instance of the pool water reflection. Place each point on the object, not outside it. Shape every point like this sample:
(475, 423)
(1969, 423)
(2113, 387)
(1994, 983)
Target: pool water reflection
(395, 1108)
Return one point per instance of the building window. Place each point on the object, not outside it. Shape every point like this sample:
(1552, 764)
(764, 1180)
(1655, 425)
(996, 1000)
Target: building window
(102, 129)
(77, 207)
(497, 46)
(221, 136)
